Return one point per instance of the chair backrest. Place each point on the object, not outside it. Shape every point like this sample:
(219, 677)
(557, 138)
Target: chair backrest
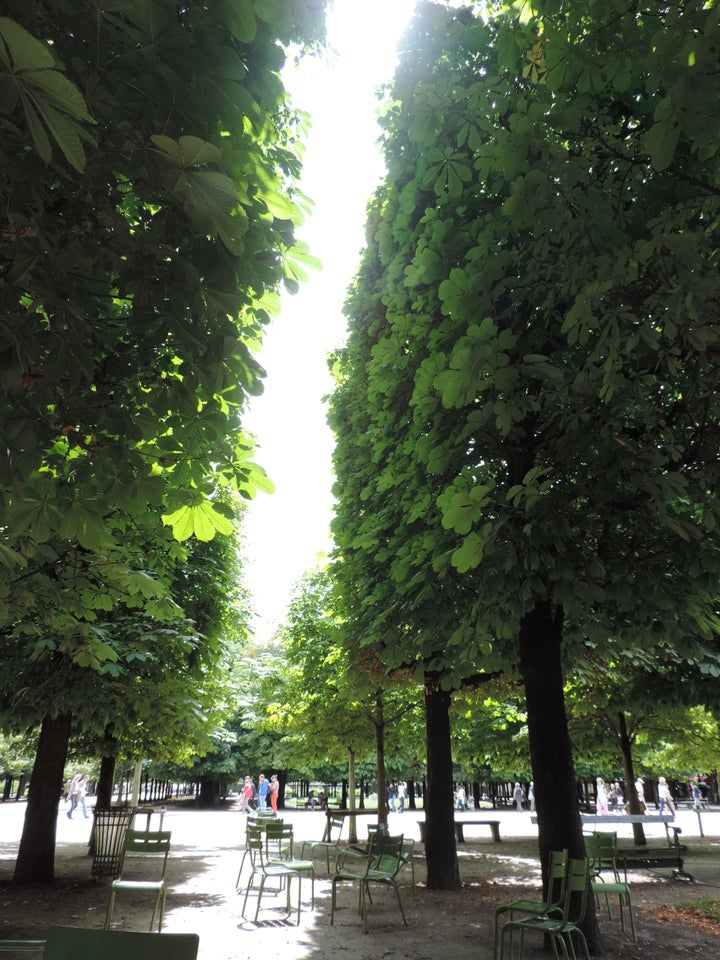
(334, 823)
(576, 887)
(557, 873)
(278, 836)
(69, 943)
(385, 853)
(601, 850)
(255, 845)
(141, 841)
(141, 844)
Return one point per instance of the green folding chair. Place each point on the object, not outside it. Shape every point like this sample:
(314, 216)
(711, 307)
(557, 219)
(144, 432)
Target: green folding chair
(329, 843)
(380, 865)
(143, 853)
(261, 870)
(551, 906)
(601, 849)
(559, 929)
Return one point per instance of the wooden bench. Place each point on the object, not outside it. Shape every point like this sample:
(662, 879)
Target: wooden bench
(643, 818)
(460, 828)
(646, 856)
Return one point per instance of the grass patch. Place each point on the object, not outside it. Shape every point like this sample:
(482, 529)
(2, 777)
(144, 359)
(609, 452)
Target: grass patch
(703, 909)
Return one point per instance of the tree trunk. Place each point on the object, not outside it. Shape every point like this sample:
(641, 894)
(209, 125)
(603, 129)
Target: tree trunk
(380, 751)
(104, 791)
(440, 847)
(209, 795)
(556, 800)
(36, 855)
(106, 781)
(352, 821)
(632, 799)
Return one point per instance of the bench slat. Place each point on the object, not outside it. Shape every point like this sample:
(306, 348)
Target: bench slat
(460, 828)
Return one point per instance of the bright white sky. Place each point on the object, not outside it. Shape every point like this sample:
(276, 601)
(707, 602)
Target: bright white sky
(287, 531)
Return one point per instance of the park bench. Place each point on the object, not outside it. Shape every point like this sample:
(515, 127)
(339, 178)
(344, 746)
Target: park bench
(647, 855)
(460, 828)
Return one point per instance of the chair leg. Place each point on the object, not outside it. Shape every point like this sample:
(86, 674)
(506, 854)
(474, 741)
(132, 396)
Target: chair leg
(402, 911)
(247, 891)
(108, 915)
(260, 891)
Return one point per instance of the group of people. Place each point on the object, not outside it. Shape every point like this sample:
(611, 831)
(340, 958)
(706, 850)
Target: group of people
(608, 799)
(518, 797)
(75, 792)
(257, 798)
(611, 800)
(396, 793)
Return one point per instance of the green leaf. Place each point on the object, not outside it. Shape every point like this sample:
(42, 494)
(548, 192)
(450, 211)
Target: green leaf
(19, 50)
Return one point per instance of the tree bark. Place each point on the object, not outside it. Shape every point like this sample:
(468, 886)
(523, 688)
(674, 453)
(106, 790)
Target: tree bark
(556, 800)
(36, 855)
(440, 847)
(352, 821)
(632, 798)
(379, 723)
(106, 780)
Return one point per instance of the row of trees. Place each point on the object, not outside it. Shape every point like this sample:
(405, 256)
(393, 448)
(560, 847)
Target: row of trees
(148, 170)
(526, 409)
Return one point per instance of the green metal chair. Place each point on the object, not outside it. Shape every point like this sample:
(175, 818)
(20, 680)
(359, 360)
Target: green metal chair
(279, 849)
(263, 870)
(143, 853)
(380, 865)
(557, 867)
(329, 843)
(560, 929)
(601, 849)
(69, 943)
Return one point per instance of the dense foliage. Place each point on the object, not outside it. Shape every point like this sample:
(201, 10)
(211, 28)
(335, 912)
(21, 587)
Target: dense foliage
(527, 408)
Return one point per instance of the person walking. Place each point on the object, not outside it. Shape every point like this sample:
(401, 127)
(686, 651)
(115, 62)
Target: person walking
(460, 797)
(73, 794)
(664, 797)
(697, 795)
(262, 792)
(601, 797)
(273, 791)
(518, 797)
(531, 795)
(81, 791)
(246, 796)
(640, 791)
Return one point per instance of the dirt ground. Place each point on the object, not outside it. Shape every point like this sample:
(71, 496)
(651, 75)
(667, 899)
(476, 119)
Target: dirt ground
(207, 849)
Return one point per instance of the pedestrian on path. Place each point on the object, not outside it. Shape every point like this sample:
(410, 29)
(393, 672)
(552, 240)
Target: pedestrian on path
(273, 790)
(601, 797)
(73, 794)
(262, 792)
(664, 797)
